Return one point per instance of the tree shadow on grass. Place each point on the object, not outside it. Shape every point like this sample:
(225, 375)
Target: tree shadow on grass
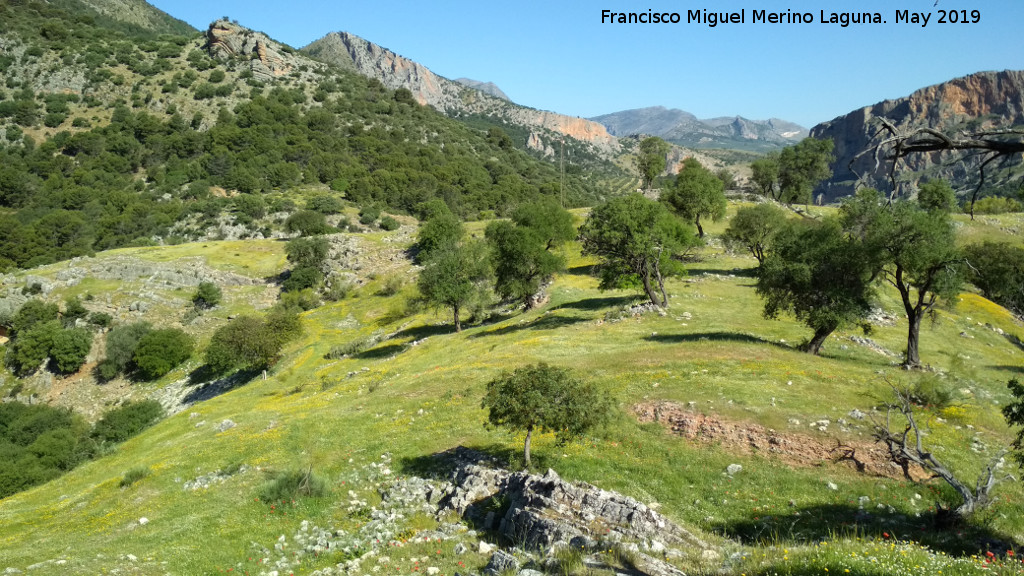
(827, 521)
(591, 304)
(425, 330)
(1009, 368)
(546, 322)
(441, 465)
(386, 351)
(207, 388)
(713, 337)
(582, 270)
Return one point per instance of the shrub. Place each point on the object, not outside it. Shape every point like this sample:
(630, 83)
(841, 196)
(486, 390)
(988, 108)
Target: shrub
(121, 344)
(100, 319)
(339, 289)
(133, 475)
(31, 313)
(349, 348)
(307, 252)
(307, 223)
(69, 348)
(160, 351)
(207, 295)
(325, 204)
(289, 485)
(127, 420)
(300, 301)
(73, 310)
(994, 205)
(302, 279)
(369, 215)
(930, 391)
(388, 223)
(392, 285)
(26, 353)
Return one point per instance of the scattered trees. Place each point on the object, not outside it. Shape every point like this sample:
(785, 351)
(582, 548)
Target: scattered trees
(997, 269)
(697, 193)
(650, 159)
(754, 228)
(547, 399)
(635, 238)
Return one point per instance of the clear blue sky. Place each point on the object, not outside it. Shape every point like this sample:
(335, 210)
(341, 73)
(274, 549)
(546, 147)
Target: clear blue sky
(557, 55)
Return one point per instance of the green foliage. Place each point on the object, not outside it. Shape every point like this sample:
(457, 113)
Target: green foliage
(38, 443)
(997, 269)
(389, 223)
(307, 252)
(995, 205)
(441, 231)
(120, 348)
(521, 260)
(1014, 414)
(547, 399)
(69, 348)
(802, 167)
(548, 221)
(697, 193)
(100, 319)
(133, 475)
(915, 250)
(299, 300)
(931, 391)
(325, 204)
(32, 313)
(250, 205)
(307, 223)
(819, 274)
(936, 195)
(455, 277)
(635, 238)
(250, 343)
(650, 159)
(300, 279)
(121, 423)
(754, 228)
(285, 487)
(207, 295)
(73, 310)
(160, 351)
(28, 350)
(368, 215)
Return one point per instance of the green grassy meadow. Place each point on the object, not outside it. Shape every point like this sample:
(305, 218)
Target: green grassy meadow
(713, 349)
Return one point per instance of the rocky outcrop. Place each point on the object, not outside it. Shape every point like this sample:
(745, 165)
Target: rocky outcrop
(267, 59)
(540, 511)
(449, 96)
(986, 100)
(685, 129)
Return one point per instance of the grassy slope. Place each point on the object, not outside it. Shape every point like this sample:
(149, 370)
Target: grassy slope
(726, 358)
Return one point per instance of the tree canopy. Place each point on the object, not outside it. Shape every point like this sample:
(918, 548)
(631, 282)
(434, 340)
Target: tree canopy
(802, 167)
(754, 228)
(456, 277)
(697, 193)
(546, 399)
(635, 238)
(650, 159)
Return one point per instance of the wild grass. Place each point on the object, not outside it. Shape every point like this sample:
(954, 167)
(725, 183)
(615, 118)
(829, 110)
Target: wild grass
(713, 348)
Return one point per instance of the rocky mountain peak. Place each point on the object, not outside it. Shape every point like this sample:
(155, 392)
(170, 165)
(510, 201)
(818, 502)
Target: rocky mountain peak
(485, 87)
(451, 97)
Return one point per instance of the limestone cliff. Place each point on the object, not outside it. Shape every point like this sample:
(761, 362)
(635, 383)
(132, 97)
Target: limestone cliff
(968, 104)
(452, 98)
(267, 59)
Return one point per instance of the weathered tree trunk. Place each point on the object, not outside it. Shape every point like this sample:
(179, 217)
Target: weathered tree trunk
(700, 229)
(526, 448)
(649, 290)
(458, 324)
(913, 359)
(814, 346)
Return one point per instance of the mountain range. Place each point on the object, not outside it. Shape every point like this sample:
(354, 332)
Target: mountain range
(685, 129)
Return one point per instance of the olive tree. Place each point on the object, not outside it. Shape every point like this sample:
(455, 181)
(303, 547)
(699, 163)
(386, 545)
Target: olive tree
(697, 193)
(753, 228)
(546, 399)
(635, 239)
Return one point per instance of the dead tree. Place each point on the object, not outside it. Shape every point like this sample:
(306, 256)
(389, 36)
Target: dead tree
(994, 145)
(907, 446)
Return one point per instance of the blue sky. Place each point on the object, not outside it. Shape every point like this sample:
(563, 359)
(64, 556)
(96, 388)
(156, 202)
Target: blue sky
(557, 55)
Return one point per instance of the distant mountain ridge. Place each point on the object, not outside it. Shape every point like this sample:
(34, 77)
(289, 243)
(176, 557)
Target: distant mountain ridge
(985, 100)
(485, 87)
(453, 98)
(683, 128)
